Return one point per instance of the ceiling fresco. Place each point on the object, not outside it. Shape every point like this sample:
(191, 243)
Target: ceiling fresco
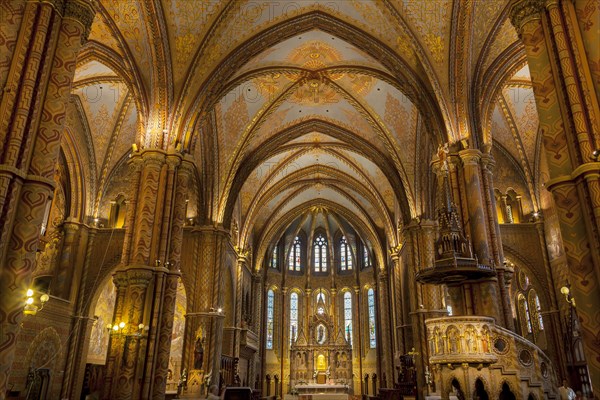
(337, 103)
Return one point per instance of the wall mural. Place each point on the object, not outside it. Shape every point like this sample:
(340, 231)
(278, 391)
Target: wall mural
(178, 330)
(103, 313)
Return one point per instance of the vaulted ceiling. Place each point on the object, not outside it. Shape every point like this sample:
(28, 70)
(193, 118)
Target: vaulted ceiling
(285, 106)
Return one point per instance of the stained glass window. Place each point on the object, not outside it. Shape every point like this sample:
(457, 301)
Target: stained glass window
(274, 258)
(348, 316)
(345, 255)
(524, 311)
(294, 259)
(371, 304)
(320, 253)
(293, 317)
(270, 319)
(538, 311)
(366, 259)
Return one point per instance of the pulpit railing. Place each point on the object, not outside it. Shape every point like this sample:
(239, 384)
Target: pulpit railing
(476, 342)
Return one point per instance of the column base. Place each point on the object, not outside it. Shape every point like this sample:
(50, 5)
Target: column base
(196, 387)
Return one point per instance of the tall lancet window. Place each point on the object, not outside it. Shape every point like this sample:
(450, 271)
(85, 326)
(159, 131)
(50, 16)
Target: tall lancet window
(524, 314)
(320, 253)
(371, 305)
(295, 257)
(270, 318)
(274, 258)
(535, 300)
(366, 258)
(345, 255)
(348, 316)
(293, 317)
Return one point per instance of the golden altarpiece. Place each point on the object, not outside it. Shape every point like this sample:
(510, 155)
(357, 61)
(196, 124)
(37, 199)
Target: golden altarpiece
(321, 358)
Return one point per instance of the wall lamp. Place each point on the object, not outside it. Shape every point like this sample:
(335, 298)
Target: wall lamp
(30, 307)
(596, 154)
(118, 329)
(566, 291)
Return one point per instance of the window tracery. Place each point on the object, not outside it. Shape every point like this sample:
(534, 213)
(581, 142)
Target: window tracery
(348, 316)
(274, 260)
(345, 255)
(270, 318)
(293, 317)
(371, 307)
(295, 257)
(320, 253)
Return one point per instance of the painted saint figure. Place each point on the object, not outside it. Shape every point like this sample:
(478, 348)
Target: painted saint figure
(198, 353)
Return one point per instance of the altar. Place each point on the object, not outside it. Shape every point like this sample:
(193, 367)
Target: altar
(321, 359)
(315, 388)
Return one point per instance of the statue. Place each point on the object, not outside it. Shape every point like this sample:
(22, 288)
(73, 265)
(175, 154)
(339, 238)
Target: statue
(198, 353)
(182, 385)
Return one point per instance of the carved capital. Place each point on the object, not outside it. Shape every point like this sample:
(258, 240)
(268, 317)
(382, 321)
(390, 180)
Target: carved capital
(470, 156)
(120, 279)
(186, 167)
(488, 162)
(135, 163)
(395, 252)
(524, 11)
(173, 162)
(139, 277)
(82, 12)
(242, 254)
(153, 158)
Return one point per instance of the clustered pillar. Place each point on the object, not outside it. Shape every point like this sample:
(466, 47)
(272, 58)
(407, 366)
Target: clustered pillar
(567, 103)
(203, 339)
(147, 279)
(50, 36)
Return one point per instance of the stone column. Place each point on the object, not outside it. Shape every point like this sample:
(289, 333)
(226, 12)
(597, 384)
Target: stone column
(387, 352)
(132, 360)
(81, 325)
(33, 107)
(149, 272)
(242, 260)
(66, 264)
(425, 300)
(115, 342)
(398, 303)
(358, 355)
(567, 104)
(483, 293)
(257, 323)
(156, 380)
(204, 323)
(504, 272)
